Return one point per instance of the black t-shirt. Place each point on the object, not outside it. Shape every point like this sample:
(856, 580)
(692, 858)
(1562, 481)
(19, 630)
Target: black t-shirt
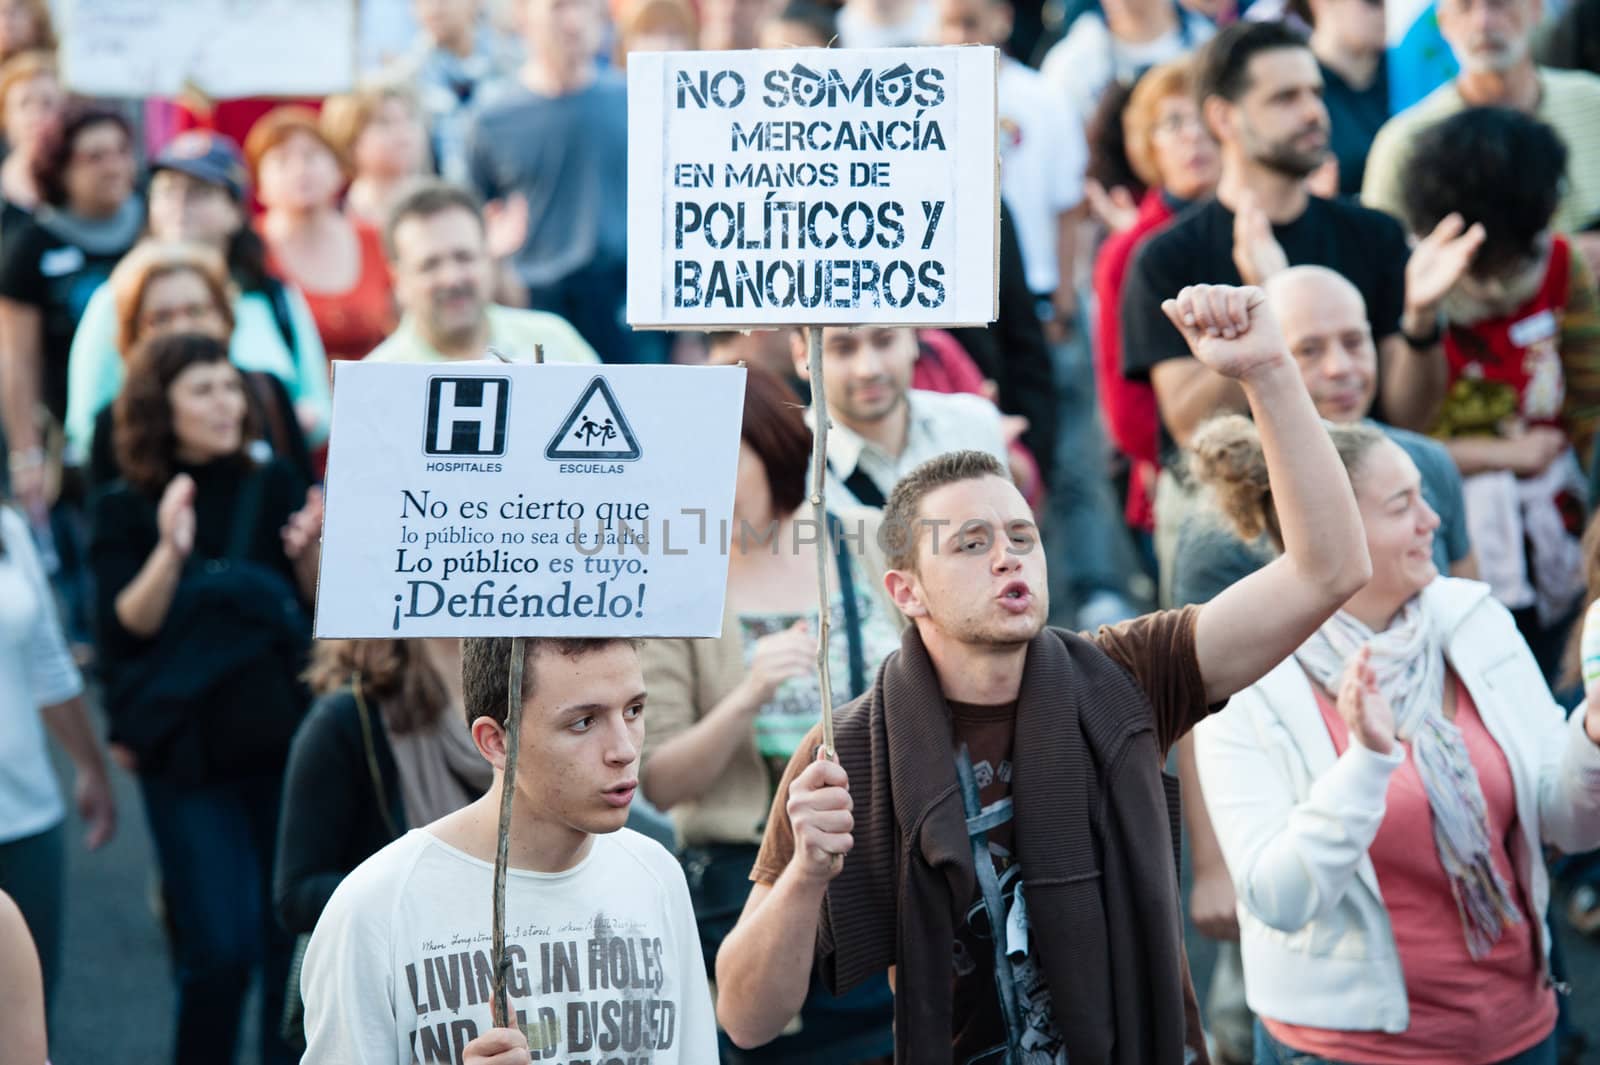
(44, 270)
(262, 692)
(977, 1020)
(124, 531)
(331, 820)
(1366, 246)
(1354, 118)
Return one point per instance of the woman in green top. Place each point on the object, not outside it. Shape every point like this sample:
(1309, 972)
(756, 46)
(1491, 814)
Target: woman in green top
(198, 192)
(725, 715)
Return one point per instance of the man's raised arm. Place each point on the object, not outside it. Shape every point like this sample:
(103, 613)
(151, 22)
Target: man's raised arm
(1253, 625)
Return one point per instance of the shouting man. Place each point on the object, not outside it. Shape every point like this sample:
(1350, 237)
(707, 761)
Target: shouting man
(1000, 787)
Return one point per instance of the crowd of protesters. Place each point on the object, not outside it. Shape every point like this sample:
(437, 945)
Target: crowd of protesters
(1290, 409)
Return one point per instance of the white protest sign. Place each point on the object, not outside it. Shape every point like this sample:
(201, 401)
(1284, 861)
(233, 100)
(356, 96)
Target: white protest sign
(809, 186)
(224, 48)
(491, 499)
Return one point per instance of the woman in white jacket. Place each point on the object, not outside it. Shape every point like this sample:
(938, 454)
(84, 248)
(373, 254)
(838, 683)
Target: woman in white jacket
(1382, 798)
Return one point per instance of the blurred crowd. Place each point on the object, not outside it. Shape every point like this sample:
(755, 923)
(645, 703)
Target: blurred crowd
(178, 275)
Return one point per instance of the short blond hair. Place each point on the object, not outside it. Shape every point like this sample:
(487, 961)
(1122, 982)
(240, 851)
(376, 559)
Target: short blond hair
(24, 66)
(346, 115)
(152, 260)
(1143, 113)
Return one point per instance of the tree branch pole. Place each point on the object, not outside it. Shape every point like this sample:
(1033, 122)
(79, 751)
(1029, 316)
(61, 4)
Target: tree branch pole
(819, 470)
(508, 783)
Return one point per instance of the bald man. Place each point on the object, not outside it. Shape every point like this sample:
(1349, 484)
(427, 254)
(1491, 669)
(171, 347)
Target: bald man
(1324, 321)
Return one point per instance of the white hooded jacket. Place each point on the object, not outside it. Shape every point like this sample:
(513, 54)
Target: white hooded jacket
(1295, 820)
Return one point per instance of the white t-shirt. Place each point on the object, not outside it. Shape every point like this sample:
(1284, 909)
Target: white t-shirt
(1089, 58)
(1043, 156)
(857, 31)
(606, 959)
(36, 670)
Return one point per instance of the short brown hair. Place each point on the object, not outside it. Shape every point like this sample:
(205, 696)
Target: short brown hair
(1143, 113)
(149, 262)
(346, 115)
(653, 16)
(900, 514)
(24, 66)
(486, 669)
(395, 675)
(277, 126)
(142, 436)
(777, 432)
(425, 198)
(55, 156)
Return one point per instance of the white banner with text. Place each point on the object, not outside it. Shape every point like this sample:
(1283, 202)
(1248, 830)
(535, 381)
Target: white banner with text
(492, 499)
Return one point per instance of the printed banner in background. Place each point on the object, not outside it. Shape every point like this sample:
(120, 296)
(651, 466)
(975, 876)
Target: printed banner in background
(808, 186)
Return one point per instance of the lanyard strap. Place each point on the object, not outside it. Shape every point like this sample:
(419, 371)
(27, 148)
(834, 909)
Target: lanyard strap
(852, 609)
(979, 820)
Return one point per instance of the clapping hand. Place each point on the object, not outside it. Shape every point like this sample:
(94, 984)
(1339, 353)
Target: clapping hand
(1256, 251)
(1364, 707)
(175, 515)
(1114, 207)
(505, 224)
(304, 527)
(1438, 261)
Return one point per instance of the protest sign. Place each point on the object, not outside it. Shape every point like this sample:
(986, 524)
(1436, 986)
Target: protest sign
(223, 48)
(811, 186)
(490, 499)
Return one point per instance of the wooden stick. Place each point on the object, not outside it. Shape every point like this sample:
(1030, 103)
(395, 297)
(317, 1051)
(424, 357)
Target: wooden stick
(508, 782)
(502, 849)
(819, 469)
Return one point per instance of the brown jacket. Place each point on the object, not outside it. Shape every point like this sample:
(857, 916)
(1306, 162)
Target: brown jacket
(1096, 831)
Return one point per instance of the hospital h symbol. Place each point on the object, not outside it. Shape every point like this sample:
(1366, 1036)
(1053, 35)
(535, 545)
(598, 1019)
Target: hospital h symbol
(481, 414)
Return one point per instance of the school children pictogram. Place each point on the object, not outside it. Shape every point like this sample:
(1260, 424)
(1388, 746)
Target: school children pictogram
(595, 428)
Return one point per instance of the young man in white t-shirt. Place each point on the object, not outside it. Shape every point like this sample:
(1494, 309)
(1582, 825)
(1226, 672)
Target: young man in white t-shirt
(606, 961)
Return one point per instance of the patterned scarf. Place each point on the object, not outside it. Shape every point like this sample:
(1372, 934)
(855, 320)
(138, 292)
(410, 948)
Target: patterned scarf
(1408, 660)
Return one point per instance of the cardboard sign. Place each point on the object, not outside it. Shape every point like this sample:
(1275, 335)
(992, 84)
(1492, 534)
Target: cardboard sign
(492, 499)
(809, 186)
(222, 48)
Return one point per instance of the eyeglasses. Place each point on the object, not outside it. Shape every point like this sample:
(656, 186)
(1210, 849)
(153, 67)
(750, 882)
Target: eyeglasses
(1174, 125)
(166, 317)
